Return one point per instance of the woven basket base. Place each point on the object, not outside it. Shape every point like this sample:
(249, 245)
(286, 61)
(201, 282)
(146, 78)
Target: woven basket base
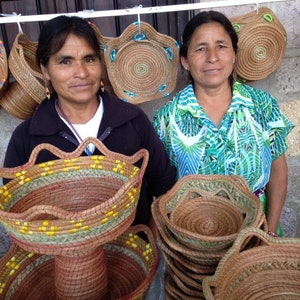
(28, 276)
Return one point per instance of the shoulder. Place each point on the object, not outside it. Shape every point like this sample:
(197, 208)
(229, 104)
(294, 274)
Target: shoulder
(257, 96)
(182, 99)
(119, 111)
(262, 101)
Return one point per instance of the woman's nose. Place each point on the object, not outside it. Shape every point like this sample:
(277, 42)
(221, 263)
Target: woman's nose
(80, 69)
(212, 56)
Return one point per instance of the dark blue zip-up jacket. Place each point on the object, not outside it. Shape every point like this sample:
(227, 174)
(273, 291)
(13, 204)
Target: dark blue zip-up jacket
(124, 128)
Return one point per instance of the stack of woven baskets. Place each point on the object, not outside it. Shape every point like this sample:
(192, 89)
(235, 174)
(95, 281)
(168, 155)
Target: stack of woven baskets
(198, 220)
(75, 212)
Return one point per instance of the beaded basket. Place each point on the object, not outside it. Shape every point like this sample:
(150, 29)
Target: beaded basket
(131, 264)
(72, 201)
(142, 64)
(262, 43)
(70, 207)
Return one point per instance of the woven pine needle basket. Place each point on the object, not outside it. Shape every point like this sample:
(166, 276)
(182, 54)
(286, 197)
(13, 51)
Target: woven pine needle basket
(142, 64)
(131, 262)
(207, 211)
(270, 270)
(23, 66)
(3, 69)
(72, 203)
(201, 261)
(262, 43)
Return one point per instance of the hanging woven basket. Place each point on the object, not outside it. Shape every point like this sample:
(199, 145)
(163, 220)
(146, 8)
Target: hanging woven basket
(142, 64)
(261, 46)
(270, 270)
(28, 90)
(3, 70)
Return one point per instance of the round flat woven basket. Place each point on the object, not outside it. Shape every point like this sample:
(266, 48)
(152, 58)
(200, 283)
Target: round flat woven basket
(261, 45)
(270, 270)
(142, 64)
(131, 262)
(207, 211)
(72, 203)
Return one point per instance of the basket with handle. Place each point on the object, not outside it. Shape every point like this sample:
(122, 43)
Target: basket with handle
(268, 270)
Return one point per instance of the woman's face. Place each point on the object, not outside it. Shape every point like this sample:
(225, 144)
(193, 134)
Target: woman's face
(210, 56)
(74, 71)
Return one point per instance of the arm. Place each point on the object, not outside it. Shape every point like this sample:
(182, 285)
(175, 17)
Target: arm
(276, 191)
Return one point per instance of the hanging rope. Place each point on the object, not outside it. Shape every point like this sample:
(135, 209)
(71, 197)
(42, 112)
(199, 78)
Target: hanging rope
(135, 11)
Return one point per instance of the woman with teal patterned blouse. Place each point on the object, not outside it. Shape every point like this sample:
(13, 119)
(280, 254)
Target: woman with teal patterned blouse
(216, 125)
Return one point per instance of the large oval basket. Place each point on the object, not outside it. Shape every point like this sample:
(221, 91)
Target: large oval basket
(72, 203)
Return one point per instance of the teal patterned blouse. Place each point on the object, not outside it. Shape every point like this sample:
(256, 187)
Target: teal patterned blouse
(250, 136)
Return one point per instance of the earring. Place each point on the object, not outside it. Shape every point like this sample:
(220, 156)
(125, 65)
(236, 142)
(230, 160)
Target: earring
(234, 75)
(102, 88)
(47, 93)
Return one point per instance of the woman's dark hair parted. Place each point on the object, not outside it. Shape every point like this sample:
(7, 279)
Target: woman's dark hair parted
(200, 19)
(53, 36)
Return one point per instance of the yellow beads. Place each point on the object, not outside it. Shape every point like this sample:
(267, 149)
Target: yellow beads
(22, 177)
(147, 251)
(77, 226)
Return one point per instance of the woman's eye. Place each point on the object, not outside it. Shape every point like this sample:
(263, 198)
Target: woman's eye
(90, 59)
(201, 49)
(65, 61)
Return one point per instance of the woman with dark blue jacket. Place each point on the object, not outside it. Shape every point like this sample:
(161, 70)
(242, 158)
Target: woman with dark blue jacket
(69, 56)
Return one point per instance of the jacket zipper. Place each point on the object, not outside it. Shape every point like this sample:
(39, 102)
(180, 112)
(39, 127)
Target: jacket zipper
(74, 141)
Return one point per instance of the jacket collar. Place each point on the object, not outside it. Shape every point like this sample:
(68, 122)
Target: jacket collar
(46, 120)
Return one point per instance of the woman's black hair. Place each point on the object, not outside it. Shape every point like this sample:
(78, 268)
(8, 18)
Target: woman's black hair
(204, 18)
(55, 32)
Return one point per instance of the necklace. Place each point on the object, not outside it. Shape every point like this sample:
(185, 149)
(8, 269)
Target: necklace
(62, 114)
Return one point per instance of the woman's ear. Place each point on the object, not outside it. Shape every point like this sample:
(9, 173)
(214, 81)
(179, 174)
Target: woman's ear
(184, 63)
(45, 72)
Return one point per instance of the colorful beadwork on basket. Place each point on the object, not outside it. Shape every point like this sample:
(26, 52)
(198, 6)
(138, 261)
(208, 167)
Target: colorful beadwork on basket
(75, 201)
(28, 275)
(51, 228)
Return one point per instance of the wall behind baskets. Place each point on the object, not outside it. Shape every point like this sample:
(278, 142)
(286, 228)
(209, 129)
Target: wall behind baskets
(284, 83)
